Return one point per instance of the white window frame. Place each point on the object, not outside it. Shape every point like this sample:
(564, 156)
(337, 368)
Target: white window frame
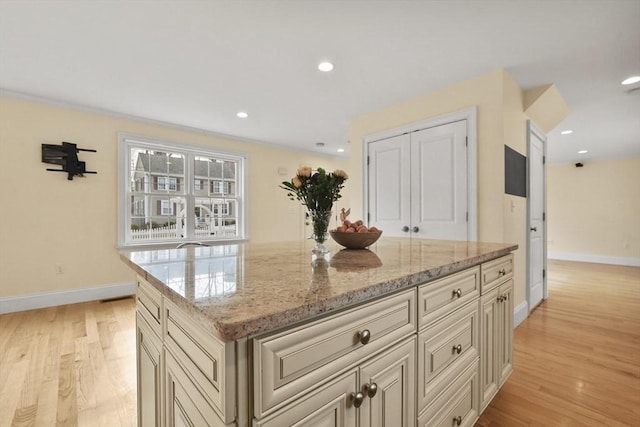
(127, 141)
(167, 183)
(166, 208)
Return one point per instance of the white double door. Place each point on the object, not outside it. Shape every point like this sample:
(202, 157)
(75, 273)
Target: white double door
(417, 183)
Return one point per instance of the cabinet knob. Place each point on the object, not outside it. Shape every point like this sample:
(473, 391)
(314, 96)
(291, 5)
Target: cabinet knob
(415, 229)
(364, 336)
(457, 420)
(534, 229)
(371, 389)
(405, 228)
(500, 298)
(457, 293)
(457, 348)
(358, 398)
(502, 272)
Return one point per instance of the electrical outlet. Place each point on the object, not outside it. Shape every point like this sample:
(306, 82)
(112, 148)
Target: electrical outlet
(58, 269)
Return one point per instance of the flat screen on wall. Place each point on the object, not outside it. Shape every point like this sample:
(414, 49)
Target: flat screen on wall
(515, 172)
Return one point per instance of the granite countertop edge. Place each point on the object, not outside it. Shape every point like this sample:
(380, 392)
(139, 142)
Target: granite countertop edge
(231, 331)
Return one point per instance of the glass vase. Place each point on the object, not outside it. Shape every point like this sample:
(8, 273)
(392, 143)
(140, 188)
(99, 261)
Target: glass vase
(320, 221)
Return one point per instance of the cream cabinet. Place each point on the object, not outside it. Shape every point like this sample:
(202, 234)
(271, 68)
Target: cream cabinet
(432, 355)
(496, 327)
(377, 393)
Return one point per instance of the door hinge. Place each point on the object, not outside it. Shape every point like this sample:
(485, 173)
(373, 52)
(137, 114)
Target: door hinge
(544, 159)
(544, 273)
(367, 160)
(368, 217)
(544, 216)
(466, 141)
(467, 217)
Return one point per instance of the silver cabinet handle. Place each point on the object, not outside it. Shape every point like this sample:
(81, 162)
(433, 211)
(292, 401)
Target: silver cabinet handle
(502, 272)
(364, 336)
(457, 348)
(415, 229)
(457, 293)
(405, 228)
(534, 228)
(371, 389)
(358, 398)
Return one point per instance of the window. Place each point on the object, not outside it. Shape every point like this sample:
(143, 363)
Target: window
(172, 192)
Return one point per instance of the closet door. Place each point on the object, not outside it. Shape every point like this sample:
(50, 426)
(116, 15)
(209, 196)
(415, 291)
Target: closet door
(389, 185)
(439, 182)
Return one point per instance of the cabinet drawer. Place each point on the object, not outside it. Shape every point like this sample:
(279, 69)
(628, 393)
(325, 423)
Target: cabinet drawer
(441, 297)
(291, 361)
(458, 403)
(496, 271)
(209, 361)
(445, 349)
(149, 303)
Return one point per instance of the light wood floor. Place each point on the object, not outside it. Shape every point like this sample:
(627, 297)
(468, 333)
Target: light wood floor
(577, 359)
(577, 356)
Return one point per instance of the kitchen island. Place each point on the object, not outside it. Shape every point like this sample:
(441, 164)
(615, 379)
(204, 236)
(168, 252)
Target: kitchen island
(411, 331)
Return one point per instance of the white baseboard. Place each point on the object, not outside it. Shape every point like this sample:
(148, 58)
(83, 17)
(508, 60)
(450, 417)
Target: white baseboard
(520, 312)
(599, 259)
(52, 299)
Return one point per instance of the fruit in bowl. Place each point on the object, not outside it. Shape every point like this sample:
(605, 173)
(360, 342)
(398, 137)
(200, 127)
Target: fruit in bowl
(355, 235)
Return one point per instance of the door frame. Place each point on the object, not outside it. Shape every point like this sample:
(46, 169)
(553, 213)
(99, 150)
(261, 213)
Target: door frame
(532, 129)
(468, 114)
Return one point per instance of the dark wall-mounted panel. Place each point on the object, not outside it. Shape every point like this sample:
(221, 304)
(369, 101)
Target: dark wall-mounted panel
(515, 173)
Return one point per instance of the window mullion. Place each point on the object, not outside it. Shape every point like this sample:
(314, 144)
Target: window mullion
(189, 196)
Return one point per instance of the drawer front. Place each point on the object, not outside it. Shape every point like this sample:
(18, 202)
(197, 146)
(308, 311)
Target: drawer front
(205, 357)
(445, 349)
(441, 297)
(149, 303)
(458, 406)
(496, 272)
(287, 363)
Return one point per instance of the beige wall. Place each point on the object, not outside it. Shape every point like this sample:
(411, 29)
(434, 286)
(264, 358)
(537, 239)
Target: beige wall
(500, 120)
(594, 211)
(46, 220)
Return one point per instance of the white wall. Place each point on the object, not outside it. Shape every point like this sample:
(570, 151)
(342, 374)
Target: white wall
(594, 211)
(47, 220)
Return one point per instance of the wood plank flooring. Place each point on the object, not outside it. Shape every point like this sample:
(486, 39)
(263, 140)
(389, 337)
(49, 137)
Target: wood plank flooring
(72, 365)
(577, 356)
(577, 359)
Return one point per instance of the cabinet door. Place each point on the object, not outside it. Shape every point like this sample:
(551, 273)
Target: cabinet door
(392, 376)
(186, 406)
(505, 352)
(490, 338)
(149, 371)
(331, 405)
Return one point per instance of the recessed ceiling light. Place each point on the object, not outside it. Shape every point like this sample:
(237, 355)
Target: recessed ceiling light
(340, 150)
(566, 132)
(631, 80)
(583, 151)
(242, 114)
(325, 66)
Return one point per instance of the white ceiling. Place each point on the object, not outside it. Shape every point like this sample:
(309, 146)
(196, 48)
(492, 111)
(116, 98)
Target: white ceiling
(197, 63)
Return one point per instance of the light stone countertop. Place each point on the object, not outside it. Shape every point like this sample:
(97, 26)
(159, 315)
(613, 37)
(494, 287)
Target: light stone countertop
(244, 289)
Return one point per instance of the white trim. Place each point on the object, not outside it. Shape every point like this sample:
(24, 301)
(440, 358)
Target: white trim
(110, 113)
(53, 299)
(468, 114)
(598, 259)
(520, 313)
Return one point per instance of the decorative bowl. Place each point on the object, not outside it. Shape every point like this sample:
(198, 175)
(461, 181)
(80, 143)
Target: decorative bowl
(355, 240)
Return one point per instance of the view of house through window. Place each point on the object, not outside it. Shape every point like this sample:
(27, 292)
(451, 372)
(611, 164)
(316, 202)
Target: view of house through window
(177, 193)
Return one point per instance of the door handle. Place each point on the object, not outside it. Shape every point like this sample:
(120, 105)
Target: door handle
(415, 229)
(534, 229)
(405, 228)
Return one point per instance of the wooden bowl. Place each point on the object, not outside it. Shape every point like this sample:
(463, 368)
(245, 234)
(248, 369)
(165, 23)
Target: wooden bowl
(355, 240)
